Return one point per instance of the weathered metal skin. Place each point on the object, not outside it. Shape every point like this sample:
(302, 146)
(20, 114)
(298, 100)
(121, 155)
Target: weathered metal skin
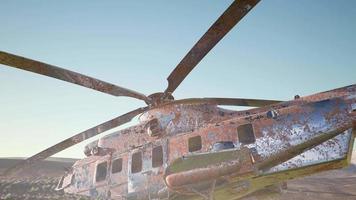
(200, 168)
(295, 136)
(333, 149)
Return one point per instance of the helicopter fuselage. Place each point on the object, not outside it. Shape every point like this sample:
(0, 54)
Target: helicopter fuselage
(192, 150)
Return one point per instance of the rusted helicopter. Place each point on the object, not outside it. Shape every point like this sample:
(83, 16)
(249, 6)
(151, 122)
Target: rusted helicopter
(193, 149)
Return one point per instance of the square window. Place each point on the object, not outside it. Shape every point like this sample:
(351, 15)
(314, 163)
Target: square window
(136, 164)
(157, 156)
(116, 166)
(194, 143)
(101, 171)
(245, 134)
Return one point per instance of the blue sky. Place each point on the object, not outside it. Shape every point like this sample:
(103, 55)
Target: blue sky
(281, 48)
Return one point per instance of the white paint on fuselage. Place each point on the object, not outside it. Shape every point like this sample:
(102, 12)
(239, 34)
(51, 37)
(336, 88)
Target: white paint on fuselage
(333, 149)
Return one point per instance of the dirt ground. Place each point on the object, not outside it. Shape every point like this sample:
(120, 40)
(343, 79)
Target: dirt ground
(331, 185)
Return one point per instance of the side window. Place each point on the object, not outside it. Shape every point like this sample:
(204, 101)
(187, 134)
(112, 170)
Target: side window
(116, 166)
(157, 156)
(194, 143)
(101, 171)
(136, 164)
(245, 134)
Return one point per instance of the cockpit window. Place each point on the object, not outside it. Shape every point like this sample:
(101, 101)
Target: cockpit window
(116, 166)
(136, 164)
(194, 143)
(245, 134)
(101, 171)
(157, 156)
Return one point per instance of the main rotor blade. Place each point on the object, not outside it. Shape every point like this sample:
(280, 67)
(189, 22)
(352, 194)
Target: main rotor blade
(236, 11)
(66, 75)
(76, 139)
(229, 101)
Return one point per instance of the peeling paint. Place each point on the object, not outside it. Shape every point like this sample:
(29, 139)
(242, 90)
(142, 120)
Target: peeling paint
(305, 132)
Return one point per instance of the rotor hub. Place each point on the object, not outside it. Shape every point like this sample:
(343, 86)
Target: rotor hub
(159, 98)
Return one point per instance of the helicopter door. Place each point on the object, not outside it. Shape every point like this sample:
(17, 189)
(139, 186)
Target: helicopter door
(118, 176)
(101, 177)
(158, 159)
(145, 171)
(137, 177)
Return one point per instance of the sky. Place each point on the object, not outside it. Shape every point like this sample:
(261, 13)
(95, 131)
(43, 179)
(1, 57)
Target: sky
(280, 49)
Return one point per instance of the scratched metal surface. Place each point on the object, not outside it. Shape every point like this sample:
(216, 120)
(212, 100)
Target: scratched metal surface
(298, 122)
(296, 125)
(333, 149)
